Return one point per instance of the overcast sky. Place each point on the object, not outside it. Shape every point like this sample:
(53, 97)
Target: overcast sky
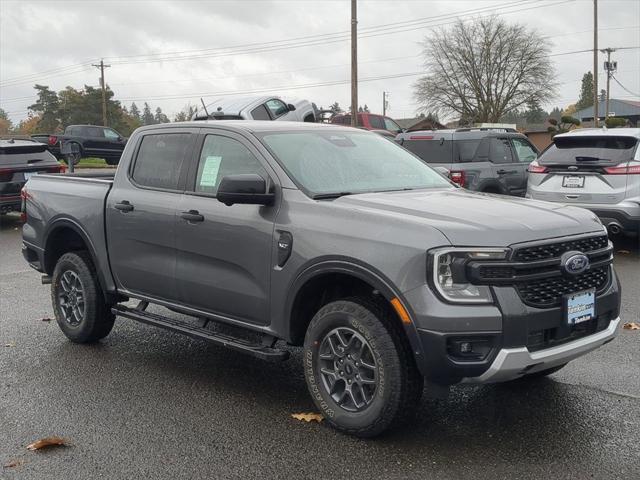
(170, 53)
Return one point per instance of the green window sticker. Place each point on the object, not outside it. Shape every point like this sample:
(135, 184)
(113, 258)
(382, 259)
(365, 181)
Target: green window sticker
(210, 170)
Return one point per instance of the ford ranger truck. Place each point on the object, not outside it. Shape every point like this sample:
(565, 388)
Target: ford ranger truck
(389, 277)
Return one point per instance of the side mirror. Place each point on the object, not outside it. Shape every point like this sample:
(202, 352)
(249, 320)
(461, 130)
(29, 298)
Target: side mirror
(247, 188)
(291, 107)
(120, 139)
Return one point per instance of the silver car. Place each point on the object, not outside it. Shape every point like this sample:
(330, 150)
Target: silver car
(597, 169)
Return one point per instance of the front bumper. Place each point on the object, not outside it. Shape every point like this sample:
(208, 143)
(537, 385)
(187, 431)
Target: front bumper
(512, 363)
(515, 338)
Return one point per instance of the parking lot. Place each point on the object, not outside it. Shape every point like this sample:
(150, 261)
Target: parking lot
(148, 403)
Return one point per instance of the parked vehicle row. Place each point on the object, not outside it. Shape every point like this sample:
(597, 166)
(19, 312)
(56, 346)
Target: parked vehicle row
(19, 161)
(332, 238)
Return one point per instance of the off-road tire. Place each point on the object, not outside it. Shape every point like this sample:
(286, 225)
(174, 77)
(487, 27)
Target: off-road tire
(400, 384)
(97, 319)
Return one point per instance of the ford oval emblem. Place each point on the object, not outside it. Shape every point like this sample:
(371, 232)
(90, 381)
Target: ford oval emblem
(574, 263)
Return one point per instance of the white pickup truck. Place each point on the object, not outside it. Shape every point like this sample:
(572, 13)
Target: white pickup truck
(258, 108)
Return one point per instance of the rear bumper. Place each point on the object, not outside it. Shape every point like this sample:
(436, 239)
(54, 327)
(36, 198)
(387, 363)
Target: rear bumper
(512, 363)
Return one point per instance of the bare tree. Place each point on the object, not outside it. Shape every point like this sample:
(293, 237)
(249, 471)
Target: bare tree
(484, 69)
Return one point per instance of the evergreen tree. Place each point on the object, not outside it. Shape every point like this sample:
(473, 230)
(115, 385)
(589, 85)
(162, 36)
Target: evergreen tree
(586, 92)
(134, 111)
(335, 108)
(47, 109)
(160, 117)
(147, 116)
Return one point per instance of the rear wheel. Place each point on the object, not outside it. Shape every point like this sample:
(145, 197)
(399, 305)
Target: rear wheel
(78, 302)
(359, 368)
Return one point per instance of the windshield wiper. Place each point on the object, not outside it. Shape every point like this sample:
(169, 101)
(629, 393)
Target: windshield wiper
(325, 196)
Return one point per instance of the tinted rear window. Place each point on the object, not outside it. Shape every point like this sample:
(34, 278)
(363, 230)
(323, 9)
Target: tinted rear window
(603, 150)
(160, 159)
(444, 151)
(260, 113)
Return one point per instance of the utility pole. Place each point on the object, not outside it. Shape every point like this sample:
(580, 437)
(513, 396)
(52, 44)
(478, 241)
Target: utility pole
(595, 63)
(609, 67)
(354, 63)
(102, 66)
(384, 103)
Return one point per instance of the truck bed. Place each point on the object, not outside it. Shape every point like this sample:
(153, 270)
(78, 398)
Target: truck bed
(76, 199)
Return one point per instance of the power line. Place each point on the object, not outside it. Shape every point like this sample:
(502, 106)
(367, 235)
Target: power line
(624, 88)
(313, 40)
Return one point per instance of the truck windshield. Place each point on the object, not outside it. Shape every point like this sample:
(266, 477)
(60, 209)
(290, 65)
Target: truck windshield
(339, 162)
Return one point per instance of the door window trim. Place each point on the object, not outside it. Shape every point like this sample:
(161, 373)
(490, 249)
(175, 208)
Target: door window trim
(190, 180)
(184, 169)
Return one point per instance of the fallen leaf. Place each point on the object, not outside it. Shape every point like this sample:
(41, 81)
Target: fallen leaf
(631, 326)
(12, 464)
(9, 344)
(46, 319)
(308, 417)
(47, 442)
(624, 251)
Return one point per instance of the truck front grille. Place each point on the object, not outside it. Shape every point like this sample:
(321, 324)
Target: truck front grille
(556, 249)
(548, 292)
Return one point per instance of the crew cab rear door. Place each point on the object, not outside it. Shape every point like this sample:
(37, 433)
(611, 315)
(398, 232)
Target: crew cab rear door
(141, 213)
(224, 252)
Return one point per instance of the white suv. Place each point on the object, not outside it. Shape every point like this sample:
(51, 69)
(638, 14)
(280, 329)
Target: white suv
(597, 169)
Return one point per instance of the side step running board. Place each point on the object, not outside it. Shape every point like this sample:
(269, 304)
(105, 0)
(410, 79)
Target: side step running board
(264, 352)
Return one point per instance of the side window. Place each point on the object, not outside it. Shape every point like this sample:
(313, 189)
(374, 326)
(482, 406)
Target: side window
(160, 159)
(260, 113)
(376, 122)
(94, 132)
(391, 125)
(524, 151)
(110, 134)
(222, 156)
(501, 151)
(277, 107)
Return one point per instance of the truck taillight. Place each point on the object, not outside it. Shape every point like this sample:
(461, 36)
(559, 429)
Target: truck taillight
(60, 168)
(624, 170)
(457, 177)
(52, 140)
(535, 167)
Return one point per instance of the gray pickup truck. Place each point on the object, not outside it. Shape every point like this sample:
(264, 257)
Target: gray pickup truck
(332, 238)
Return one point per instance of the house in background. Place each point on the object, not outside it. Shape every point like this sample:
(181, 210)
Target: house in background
(419, 123)
(627, 109)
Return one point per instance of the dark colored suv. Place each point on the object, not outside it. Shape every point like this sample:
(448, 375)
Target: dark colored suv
(485, 160)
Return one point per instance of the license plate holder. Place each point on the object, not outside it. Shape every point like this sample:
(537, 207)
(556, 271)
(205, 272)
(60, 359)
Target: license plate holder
(573, 181)
(580, 306)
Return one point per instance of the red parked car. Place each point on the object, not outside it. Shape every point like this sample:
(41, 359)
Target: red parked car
(369, 121)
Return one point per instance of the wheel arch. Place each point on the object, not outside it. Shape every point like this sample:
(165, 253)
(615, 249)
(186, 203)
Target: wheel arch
(65, 235)
(303, 300)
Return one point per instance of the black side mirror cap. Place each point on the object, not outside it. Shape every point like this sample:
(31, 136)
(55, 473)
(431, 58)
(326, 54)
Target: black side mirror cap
(246, 188)
(291, 107)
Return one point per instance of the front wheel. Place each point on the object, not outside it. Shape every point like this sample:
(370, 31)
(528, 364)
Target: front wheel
(78, 302)
(359, 368)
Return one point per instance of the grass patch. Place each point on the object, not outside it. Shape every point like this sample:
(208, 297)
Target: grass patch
(92, 162)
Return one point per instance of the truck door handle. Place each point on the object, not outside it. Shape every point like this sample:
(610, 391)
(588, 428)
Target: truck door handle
(123, 206)
(192, 216)
(504, 172)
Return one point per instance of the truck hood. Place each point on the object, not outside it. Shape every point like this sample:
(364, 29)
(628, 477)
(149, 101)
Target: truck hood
(478, 219)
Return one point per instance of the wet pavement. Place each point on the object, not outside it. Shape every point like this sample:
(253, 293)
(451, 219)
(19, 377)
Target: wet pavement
(148, 403)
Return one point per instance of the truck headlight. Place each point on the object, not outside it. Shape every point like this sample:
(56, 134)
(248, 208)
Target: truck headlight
(449, 273)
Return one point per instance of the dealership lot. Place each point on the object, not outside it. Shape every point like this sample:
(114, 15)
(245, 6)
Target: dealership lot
(145, 402)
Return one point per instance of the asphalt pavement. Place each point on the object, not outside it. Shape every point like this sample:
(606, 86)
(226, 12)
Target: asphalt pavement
(146, 403)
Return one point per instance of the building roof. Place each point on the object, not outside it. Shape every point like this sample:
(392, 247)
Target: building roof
(419, 122)
(621, 108)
